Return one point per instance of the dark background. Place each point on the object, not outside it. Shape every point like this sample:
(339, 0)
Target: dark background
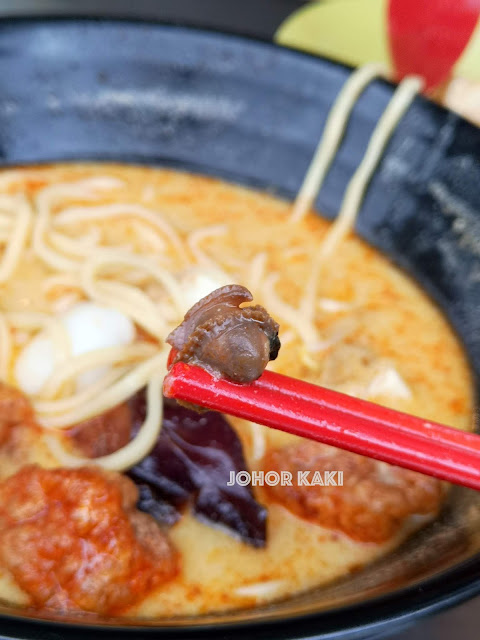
(257, 18)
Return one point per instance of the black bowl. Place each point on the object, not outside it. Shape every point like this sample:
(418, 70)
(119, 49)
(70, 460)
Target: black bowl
(252, 113)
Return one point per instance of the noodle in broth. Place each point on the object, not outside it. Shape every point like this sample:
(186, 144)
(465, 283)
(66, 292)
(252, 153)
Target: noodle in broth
(149, 243)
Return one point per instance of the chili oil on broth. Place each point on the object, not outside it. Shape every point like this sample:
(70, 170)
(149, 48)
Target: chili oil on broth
(370, 320)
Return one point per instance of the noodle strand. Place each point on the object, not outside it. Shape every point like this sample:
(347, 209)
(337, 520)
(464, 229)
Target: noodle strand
(136, 449)
(355, 192)
(332, 136)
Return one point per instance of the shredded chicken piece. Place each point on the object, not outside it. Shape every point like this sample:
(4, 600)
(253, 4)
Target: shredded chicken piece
(73, 540)
(105, 433)
(15, 409)
(371, 506)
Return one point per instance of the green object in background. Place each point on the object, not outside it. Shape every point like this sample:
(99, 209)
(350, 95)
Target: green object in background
(349, 31)
(437, 39)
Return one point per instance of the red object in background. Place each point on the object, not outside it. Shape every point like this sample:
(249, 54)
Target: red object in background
(428, 36)
(336, 419)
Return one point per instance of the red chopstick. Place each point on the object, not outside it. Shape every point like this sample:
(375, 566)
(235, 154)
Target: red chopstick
(333, 418)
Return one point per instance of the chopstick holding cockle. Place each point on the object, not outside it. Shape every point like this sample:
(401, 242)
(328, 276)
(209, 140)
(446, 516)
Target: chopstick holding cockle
(216, 376)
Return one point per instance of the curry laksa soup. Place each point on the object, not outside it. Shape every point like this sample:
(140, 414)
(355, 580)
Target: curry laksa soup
(113, 501)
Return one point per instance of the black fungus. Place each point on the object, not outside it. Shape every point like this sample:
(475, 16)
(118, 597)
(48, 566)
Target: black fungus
(191, 465)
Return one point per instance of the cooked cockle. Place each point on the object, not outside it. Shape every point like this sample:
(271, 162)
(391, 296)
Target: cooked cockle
(227, 340)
